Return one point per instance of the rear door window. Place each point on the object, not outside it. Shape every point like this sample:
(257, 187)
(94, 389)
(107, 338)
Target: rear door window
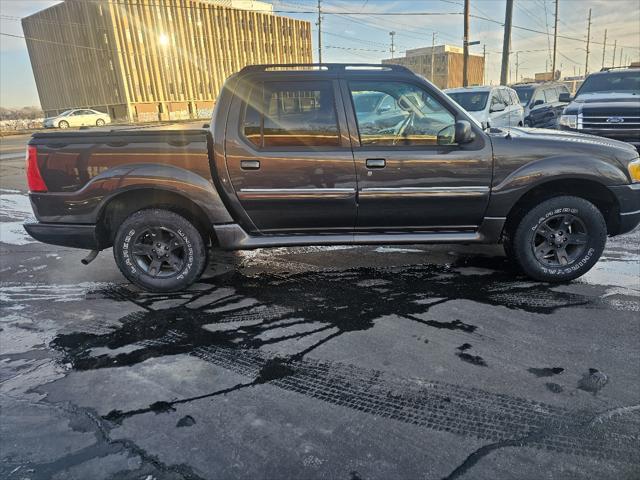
(291, 114)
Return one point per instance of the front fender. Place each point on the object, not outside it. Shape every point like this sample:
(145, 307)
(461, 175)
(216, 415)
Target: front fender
(509, 190)
(86, 204)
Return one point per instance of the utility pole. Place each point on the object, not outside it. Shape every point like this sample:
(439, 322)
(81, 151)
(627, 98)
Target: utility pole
(319, 31)
(555, 43)
(620, 64)
(484, 64)
(465, 45)
(604, 46)
(586, 63)
(393, 47)
(613, 61)
(506, 43)
(433, 56)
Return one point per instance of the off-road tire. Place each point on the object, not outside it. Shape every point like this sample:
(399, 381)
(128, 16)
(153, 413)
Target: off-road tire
(526, 235)
(191, 255)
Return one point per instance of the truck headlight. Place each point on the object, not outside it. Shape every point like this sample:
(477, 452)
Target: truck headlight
(634, 170)
(569, 121)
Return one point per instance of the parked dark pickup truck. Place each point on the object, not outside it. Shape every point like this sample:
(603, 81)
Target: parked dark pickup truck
(606, 104)
(290, 161)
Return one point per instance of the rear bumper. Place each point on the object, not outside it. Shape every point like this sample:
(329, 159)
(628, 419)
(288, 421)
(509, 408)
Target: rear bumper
(628, 197)
(66, 235)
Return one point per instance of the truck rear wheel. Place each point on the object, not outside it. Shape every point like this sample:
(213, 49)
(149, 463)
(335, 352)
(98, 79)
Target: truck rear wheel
(159, 250)
(558, 240)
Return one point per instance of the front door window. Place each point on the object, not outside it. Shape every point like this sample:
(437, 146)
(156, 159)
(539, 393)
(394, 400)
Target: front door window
(404, 115)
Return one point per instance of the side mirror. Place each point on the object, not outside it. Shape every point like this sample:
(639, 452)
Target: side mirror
(499, 107)
(537, 102)
(565, 97)
(462, 132)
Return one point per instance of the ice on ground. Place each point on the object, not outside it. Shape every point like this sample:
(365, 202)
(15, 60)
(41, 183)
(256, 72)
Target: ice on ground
(15, 208)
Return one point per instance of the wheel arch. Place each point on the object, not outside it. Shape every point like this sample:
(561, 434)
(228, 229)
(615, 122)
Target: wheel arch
(590, 190)
(121, 206)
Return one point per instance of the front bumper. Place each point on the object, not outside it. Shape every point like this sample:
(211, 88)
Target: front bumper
(64, 234)
(628, 197)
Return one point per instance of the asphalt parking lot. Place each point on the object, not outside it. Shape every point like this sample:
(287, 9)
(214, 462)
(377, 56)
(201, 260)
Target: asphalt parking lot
(351, 363)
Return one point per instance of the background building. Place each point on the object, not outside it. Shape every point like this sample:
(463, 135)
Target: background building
(447, 65)
(145, 60)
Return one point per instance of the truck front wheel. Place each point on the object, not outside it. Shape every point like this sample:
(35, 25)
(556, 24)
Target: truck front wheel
(559, 239)
(159, 250)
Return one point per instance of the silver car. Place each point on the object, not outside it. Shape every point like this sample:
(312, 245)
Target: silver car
(77, 118)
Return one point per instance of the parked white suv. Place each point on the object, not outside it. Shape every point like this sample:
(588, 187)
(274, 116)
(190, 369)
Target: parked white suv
(491, 106)
(77, 118)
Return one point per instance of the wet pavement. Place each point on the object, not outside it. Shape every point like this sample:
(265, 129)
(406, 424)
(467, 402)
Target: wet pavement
(347, 363)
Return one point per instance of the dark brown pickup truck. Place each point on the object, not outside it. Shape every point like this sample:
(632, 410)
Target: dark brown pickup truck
(324, 155)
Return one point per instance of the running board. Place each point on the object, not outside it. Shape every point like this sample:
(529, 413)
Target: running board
(233, 237)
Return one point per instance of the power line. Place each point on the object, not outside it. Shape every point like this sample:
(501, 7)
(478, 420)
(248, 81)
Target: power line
(544, 33)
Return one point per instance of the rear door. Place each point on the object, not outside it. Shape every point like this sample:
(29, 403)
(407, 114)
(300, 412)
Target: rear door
(289, 156)
(407, 179)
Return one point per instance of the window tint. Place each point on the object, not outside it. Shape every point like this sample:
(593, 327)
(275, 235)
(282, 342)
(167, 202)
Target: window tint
(505, 97)
(551, 95)
(415, 117)
(291, 114)
(539, 95)
(470, 101)
(496, 99)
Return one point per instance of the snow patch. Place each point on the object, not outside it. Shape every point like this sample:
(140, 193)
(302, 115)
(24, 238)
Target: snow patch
(16, 208)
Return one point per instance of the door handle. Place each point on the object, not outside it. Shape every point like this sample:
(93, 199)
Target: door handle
(376, 162)
(250, 164)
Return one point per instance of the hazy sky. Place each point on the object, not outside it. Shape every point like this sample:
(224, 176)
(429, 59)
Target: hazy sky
(365, 38)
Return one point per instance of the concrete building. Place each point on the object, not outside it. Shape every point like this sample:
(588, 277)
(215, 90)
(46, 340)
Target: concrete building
(447, 65)
(146, 60)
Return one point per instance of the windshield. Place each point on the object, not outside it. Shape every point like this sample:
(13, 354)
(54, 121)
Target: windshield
(65, 113)
(524, 94)
(470, 101)
(612, 82)
(366, 102)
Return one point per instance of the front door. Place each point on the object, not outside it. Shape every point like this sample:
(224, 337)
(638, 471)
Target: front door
(289, 156)
(412, 176)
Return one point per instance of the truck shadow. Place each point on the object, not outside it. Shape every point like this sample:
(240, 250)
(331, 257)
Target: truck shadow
(237, 321)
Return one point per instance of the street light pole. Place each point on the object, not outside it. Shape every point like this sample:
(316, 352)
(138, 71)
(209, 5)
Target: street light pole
(586, 63)
(604, 46)
(393, 48)
(319, 31)
(555, 43)
(433, 56)
(506, 43)
(465, 60)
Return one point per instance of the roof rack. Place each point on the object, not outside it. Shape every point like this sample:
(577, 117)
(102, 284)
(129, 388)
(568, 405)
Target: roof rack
(325, 66)
(626, 67)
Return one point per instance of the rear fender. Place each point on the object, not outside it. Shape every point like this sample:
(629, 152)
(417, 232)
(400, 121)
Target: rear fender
(86, 204)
